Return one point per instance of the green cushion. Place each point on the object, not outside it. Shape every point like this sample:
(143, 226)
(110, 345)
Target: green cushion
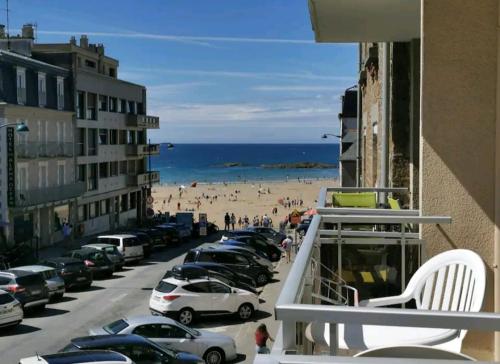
(355, 199)
(394, 204)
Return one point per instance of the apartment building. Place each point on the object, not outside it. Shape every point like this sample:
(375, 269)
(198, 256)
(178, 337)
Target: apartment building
(37, 167)
(348, 138)
(110, 136)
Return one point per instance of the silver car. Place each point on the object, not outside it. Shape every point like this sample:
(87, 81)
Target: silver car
(212, 347)
(111, 251)
(55, 283)
(11, 311)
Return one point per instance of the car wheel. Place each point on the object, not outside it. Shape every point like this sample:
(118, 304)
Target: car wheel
(185, 316)
(214, 356)
(245, 311)
(262, 279)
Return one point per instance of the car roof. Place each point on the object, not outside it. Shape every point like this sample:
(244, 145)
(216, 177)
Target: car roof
(117, 236)
(34, 268)
(87, 356)
(17, 273)
(148, 319)
(181, 282)
(63, 260)
(99, 245)
(100, 340)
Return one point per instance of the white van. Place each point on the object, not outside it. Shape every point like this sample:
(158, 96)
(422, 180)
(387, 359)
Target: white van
(128, 245)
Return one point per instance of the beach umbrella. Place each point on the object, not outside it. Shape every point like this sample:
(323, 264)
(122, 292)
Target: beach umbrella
(311, 212)
(183, 187)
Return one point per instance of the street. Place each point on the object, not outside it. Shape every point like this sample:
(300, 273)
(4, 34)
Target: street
(127, 293)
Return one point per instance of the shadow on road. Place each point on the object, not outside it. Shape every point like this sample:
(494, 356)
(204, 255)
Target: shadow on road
(19, 330)
(48, 312)
(92, 288)
(63, 299)
(114, 276)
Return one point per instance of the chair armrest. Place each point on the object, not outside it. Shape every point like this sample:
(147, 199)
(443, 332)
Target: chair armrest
(384, 301)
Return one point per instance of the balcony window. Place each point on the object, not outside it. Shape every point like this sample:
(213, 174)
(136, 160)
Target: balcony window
(131, 107)
(92, 177)
(103, 136)
(80, 105)
(112, 72)
(21, 85)
(82, 213)
(133, 200)
(81, 172)
(123, 167)
(104, 207)
(42, 90)
(103, 103)
(131, 137)
(91, 106)
(113, 104)
(124, 202)
(61, 174)
(80, 141)
(113, 169)
(141, 137)
(60, 93)
(103, 170)
(92, 142)
(90, 64)
(123, 137)
(92, 210)
(113, 136)
(122, 106)
(140, 108)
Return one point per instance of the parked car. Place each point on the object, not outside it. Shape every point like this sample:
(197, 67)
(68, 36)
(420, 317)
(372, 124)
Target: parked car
(111, 251)
(268, 232)
(11, 311)
(185, 300)
(147, 243)
(230, 243)
(211, 229)
(227, 272)
(158, 239)
(127, 244)
(236, 260)
(29, 288)
(233, 233)
(183, 232)
(190, 271)
(250, 252)
(96, 261)
(80, 357)
(72, 271)
(272, 251)
(214, 348)
(137, 348)
(54, 282)
(169, 232)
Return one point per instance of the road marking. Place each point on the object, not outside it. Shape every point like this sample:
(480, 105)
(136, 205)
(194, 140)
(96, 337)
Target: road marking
(119, 297)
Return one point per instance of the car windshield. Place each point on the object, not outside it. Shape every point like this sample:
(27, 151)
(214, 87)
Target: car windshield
(115, 327)
(188, 329)
(165, 287)
(111, 249)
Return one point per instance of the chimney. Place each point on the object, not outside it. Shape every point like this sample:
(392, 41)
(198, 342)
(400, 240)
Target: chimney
(72, 40)
(2, 31)
(84, 41)
(100, 49)
(27, 31)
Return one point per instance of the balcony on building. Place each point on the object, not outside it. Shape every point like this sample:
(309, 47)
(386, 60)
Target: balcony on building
(48, 195)
(143, 121)
(142, 150)
(35, 150)
(142, 179)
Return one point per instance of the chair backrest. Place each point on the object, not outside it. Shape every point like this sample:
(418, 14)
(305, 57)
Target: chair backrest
(393, 203)
(451, 281)
(355, 199)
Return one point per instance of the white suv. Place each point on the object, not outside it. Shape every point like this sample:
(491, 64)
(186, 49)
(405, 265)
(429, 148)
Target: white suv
(183, 300)
(128, 245)
(82, 357)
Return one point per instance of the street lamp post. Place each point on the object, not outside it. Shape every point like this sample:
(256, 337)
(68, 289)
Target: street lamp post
(20, 127)
(325, 136)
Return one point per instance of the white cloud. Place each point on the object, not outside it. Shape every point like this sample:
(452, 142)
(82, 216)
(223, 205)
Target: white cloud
(168, 89)
(297, 88)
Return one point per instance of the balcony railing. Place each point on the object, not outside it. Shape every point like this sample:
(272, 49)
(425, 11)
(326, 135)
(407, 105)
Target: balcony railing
(143, 121)
(143, 149)
(142, 179)
(38, 196)
(33, 150)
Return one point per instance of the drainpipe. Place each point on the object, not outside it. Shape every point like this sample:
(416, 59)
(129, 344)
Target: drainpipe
(384, 127)
(496, 244)
(358, 126)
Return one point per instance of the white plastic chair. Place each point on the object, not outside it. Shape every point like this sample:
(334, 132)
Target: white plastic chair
(451, 281)
(414, 351)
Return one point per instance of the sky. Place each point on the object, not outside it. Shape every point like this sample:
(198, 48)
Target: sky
(216, 71)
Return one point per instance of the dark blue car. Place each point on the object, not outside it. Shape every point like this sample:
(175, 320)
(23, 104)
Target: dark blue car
(137, 348)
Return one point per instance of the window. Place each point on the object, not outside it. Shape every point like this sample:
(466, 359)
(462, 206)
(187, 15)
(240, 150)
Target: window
(133, 200)
(140, 108)
(80, 105)
(124, 202)
(123, 106)
(131, 107)
(90, 63)
(116, 327)
(112, 72)
(113, 169)
(81, 172)
(216, 287)
(61, 174)
(113, 104)
(21, 85)
(92, 142)
(82, 213)
(80, 141)
(43, 177)
(123, 137)
(91, 106)
(105, 207)
(131, 137)
(146, 330)
(202, 287)
(171, 331)
(103, 136)
(103, 170)
(113, 136)
(92, 211)
(123, 167)
(42, 89)
(103, 103)
(60, 93)
(240, 259)
(92, 177)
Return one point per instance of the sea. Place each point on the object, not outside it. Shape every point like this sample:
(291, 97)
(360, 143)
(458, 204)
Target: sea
(208, 163)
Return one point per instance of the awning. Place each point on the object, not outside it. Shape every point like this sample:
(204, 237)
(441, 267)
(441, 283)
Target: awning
(353, 21)
(350, 154)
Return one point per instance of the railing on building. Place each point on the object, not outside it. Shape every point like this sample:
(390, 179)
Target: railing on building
(142, 179)
(33, 150)
(143, 121)
(143, 149)
(300, 303)
(44, 195)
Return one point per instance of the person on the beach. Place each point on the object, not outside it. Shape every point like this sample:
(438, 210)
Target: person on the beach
(227, 220)
(178, 205)
(265, 221)
(239, 222)
(287, 245)
(233, 220)
(261, 337)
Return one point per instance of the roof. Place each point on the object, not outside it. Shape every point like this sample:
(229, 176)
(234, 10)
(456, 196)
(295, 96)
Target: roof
(148, 319)
(350, 154)
(75, 357)
(104, 340)
(17, 273)
(63, 260)
(34, 268)
(29, 60)
(117, 236)
(99, 245)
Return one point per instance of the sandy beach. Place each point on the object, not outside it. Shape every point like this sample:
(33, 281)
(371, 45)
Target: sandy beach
(251, 198)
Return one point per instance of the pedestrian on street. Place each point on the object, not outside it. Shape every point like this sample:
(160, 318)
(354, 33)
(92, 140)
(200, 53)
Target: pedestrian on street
(287, 245)
(227, 220)
(261, 337)
(233, 220)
